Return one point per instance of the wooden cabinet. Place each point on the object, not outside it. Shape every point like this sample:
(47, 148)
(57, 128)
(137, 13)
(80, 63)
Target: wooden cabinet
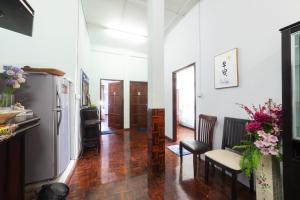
(291, 109)
(12, 159)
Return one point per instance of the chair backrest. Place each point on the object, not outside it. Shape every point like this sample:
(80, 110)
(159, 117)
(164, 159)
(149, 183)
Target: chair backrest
(206, 129)
(234, 132)
(89, 113)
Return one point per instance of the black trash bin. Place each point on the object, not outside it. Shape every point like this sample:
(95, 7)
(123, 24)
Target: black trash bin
(54, 191)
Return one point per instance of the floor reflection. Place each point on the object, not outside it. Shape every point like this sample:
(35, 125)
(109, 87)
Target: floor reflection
(119, 172)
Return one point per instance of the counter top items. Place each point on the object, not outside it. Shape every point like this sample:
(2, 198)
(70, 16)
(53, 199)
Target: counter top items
(7, 131)
(15, 126)
(51, 71)
(18, 106)
(7, 115)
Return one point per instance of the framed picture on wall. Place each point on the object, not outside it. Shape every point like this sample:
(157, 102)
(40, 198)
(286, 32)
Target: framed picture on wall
(85, 96)
(226, 69)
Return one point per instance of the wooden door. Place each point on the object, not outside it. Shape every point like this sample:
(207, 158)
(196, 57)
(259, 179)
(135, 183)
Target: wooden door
(115, 105)
(138, 104)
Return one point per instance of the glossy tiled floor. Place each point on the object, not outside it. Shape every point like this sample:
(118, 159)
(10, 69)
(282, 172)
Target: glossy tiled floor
(119, 172)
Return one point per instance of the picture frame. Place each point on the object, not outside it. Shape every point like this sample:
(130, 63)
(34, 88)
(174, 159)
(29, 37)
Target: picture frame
(85, 96)
(226, 69)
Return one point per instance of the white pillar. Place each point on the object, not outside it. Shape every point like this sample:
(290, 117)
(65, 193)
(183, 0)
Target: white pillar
(156, 53)
(156, 112)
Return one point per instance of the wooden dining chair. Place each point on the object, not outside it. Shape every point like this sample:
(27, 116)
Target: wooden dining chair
(202, 141)
(227, 159)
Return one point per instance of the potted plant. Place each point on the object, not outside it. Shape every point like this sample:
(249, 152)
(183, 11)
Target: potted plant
(13, 78)
(261, 150)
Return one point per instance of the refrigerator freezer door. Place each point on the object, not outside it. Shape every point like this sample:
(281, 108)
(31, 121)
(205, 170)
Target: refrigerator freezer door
(63, 133)
(39, 96)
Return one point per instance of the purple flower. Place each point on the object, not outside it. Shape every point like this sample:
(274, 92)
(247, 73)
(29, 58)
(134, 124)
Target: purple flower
(6, 67)
(10, 82)
(13, 76)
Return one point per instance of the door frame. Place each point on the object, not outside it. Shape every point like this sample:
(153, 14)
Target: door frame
(130, 99)
(122, 85)
(174, 99)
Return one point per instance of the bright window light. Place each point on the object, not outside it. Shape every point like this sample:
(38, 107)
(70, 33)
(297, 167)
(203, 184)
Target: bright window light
(129, 37)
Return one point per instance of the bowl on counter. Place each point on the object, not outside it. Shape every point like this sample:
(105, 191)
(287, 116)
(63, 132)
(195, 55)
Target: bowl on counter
(7, 115)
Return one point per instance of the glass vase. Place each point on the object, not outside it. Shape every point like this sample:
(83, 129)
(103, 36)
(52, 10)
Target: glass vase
(6, 101)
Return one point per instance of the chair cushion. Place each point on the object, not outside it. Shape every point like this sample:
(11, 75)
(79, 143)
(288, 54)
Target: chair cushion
(195, 145)
(227, 158)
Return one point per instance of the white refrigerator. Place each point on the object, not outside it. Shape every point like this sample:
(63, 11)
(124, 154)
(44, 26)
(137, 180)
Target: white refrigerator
(47, 147)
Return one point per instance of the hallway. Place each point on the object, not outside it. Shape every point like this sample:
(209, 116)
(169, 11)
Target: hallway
(120, 172)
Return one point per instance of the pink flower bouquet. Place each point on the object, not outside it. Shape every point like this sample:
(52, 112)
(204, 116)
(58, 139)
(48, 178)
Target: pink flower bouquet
(263, 135)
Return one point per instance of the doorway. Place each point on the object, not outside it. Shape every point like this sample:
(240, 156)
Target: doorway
(138, 105)
(184, 102)
(111, 104)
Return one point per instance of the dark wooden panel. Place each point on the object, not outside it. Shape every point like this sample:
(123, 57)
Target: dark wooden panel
(138, 104)
(15, 190)
(12, 157)
(156, 140)
(3, 170)
(116, 105)
(291, 166)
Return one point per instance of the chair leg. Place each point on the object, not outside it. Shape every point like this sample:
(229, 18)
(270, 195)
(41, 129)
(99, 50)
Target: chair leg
(233, 187)
(206, 173)
(99, 145)
(195, 164)
(251, 183)
(180, 152)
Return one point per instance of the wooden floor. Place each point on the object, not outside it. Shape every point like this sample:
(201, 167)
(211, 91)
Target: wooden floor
(119, 172)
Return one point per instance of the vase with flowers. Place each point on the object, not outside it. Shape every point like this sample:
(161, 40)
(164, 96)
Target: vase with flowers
(13, 78)
(261, 150)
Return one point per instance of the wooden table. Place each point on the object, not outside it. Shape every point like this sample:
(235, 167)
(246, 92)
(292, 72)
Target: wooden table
(12, 159)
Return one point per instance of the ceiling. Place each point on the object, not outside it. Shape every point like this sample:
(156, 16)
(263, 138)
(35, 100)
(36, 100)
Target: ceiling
(123, 23)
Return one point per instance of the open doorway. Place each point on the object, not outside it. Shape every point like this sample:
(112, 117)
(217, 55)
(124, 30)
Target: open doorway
(184, 102)
(111, 105)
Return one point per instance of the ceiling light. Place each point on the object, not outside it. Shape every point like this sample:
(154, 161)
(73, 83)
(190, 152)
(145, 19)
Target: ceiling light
(129, 37)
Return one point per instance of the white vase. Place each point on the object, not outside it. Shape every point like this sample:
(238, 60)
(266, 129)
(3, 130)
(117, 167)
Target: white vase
(268, 179)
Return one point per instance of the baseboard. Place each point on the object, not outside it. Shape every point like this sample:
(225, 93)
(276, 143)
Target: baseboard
(186, 127)
(169, 139)
(66, 176)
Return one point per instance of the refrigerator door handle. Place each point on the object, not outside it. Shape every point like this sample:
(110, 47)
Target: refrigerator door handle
(59, 112)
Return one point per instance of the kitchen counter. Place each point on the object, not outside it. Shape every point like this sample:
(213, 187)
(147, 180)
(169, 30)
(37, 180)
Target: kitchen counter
(12, 159)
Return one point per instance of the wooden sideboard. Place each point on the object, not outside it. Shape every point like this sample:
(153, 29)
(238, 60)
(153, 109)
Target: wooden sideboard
(12, 159)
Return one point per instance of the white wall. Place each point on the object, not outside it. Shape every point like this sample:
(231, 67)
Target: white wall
(54, 41)
(116, 64)
(213, 27)
(250, 26)
(59, 40)
(181, 49)
(83, 62)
